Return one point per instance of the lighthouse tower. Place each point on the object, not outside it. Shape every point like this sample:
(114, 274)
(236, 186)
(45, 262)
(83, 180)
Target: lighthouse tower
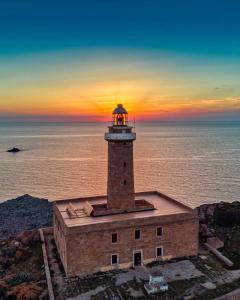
(120, 183)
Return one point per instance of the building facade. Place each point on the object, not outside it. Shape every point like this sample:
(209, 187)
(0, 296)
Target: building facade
(123, 228)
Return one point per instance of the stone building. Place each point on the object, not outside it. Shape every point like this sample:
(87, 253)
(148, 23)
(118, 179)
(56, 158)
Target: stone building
(123, 228)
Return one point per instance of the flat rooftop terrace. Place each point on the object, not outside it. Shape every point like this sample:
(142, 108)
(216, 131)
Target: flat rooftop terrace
(164, 206)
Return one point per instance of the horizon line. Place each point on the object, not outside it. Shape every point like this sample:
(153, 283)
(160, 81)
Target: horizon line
(131, 122)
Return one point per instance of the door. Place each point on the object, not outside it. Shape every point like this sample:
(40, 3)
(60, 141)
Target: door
(137, 258)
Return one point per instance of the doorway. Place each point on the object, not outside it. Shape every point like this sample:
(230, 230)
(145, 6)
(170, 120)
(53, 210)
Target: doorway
(137, 258)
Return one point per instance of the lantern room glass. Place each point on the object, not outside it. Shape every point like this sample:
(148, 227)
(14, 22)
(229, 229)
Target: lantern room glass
(120, 119)
(120, 116)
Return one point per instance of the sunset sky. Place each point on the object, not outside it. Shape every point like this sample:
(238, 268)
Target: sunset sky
(163, 59)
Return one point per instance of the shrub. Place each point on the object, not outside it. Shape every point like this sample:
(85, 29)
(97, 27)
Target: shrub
(227, 217)
(20, 278)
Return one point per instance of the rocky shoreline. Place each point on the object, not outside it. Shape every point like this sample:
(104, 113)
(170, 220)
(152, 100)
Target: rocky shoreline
(213, 217)
(24, 213)
(21, 259)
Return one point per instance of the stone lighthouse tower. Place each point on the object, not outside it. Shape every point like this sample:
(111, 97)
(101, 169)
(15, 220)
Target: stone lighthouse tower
(120, 184)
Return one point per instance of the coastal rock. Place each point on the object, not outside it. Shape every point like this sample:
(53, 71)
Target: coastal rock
(201, 214)
(24, 213)
(14, 150)
(223, 214)
(210, 210)
(206, 231)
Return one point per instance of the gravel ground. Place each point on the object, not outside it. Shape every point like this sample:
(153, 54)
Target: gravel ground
(182, 270)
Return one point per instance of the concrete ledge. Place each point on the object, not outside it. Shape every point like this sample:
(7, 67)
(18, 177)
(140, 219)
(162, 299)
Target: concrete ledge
(47, 230)
(47, 271)
(120, 136)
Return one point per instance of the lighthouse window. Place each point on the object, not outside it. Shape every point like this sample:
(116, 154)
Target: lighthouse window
(124, 164)
(159, 251)
(114, 238)
(114, 259)
(159, 231)
(137, 234)
(125, 182)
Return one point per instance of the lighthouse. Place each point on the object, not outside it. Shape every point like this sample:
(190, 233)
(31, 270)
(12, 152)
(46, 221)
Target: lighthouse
(120, 181)
(122, 229)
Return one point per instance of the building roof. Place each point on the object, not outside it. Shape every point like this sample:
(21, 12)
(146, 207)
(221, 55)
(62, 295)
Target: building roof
(164, 206)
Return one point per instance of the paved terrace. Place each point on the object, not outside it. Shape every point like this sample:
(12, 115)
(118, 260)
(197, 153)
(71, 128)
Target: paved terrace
(164, 206)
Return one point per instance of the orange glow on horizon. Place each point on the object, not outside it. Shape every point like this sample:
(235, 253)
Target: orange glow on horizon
(96, 102)
(87, 85)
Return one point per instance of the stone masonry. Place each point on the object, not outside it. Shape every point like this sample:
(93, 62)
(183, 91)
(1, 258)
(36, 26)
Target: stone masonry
(88, 248)
(120, 175)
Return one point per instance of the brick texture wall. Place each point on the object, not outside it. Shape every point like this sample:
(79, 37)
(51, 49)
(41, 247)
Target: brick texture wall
(89, 250)
(120, 185)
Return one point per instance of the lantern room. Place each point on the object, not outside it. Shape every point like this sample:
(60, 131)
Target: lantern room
(120, 116)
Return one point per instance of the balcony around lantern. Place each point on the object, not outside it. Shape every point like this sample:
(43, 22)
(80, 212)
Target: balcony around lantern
(122, 136)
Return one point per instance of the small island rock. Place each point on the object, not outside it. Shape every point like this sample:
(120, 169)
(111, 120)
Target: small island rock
(14, 150)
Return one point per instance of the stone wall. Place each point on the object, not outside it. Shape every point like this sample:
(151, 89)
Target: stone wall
(87, 252)
(59, 236)
(120, 185)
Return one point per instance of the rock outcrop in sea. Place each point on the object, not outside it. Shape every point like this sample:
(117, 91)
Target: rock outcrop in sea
(14, 150)
(24, 213)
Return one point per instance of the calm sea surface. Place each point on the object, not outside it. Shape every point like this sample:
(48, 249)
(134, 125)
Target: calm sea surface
(195, 163)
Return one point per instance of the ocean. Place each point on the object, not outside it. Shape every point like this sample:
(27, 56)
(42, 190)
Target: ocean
(195, 163)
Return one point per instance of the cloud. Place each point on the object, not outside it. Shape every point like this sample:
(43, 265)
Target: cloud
(223, 86)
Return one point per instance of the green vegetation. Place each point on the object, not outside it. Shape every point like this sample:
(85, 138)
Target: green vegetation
(232, 246)
(228, 215)
(180, 287)
(20, 278)
(21, 267)
(219, 291)
(214, 263)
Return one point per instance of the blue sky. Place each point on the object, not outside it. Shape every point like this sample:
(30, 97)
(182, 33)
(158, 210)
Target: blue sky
(200, 27)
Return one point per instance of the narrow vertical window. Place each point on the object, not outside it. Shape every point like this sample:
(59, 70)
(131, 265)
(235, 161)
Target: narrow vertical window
(114, 237)
(159, 252)
(114, 259)
(124, 164)
(159, 231)
(125, 182)
(137, 234)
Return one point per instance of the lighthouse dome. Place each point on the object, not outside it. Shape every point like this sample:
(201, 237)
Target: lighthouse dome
(120, 110)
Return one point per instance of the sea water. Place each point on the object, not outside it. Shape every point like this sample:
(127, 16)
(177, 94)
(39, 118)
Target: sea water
(193, 162)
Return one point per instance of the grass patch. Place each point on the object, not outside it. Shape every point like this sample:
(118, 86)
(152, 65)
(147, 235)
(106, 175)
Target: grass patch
(181, 286)
(31, 259)
(214, 263)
